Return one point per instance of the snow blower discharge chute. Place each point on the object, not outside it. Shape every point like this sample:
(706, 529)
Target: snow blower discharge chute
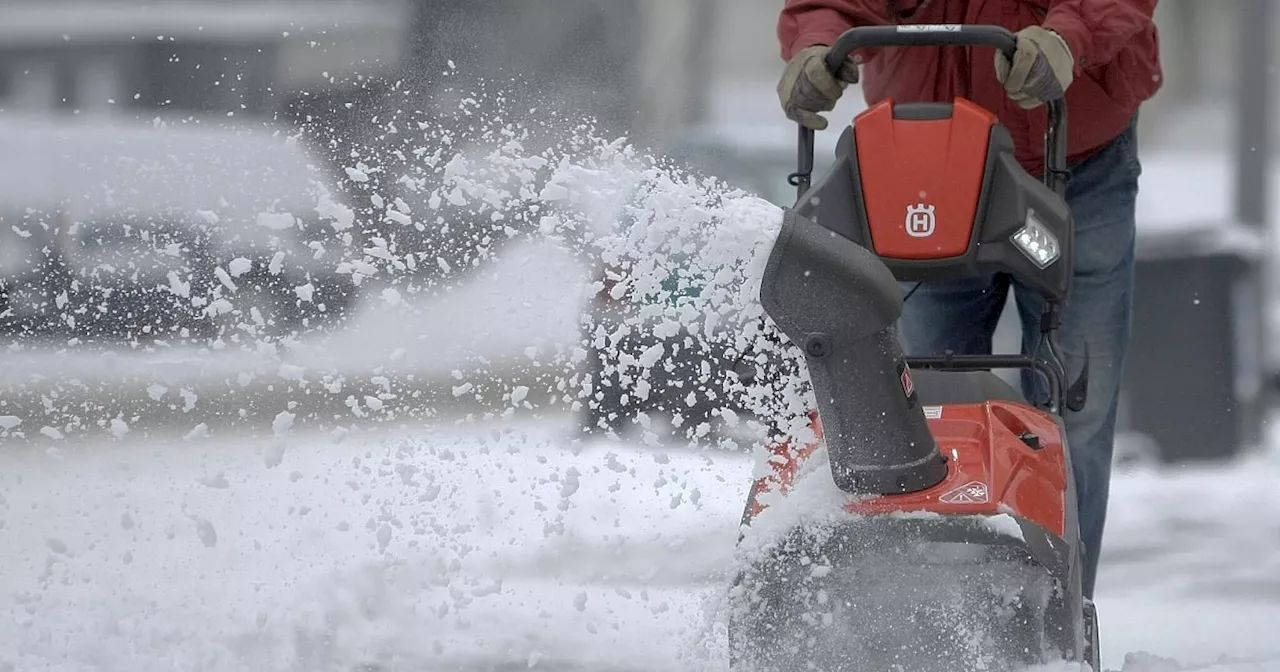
(953, 542)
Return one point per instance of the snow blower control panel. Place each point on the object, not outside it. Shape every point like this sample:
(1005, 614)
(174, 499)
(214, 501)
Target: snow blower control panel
(937, 192)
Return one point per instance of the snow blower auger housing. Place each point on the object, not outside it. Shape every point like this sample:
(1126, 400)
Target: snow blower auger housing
(945, 537)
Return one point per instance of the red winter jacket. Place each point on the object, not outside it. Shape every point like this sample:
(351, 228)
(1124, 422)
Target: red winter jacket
(1114, 42)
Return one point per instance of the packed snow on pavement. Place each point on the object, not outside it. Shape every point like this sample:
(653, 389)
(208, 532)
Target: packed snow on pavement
(504, 540)
(468, 547)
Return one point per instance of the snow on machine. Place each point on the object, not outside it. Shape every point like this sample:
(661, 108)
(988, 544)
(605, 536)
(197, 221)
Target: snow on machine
(943, 535)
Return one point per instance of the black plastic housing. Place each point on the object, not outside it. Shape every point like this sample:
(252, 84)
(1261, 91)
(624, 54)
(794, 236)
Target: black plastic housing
(839, 303)
(1009, 193)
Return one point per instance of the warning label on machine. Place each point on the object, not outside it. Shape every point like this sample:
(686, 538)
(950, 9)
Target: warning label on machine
(973, 492)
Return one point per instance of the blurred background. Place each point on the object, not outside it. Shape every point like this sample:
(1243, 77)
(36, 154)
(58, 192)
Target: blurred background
(223, 249)
(200, 120)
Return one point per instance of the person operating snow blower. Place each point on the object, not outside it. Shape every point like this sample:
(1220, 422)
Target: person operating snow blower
(1104, 54)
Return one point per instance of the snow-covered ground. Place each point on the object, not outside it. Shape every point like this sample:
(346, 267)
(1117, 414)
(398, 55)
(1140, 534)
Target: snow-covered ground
(474, 547)
(507, 307)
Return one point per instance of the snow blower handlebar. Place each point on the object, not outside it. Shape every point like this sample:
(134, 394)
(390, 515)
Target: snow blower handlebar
(930, 35)
(1071, 395)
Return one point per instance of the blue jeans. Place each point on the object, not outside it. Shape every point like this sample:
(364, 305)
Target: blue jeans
(961, 316)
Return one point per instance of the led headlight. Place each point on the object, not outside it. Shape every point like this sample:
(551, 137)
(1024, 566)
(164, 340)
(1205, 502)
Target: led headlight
(1037, 242)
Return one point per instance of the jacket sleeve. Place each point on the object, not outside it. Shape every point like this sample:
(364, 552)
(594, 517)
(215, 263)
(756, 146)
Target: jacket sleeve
(804, 23)
(1097, 29)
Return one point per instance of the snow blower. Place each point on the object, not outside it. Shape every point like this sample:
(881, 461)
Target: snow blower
(943, 536)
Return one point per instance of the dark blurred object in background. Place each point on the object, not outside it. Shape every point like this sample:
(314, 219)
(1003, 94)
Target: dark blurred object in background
(1194, 374)
(569, 57)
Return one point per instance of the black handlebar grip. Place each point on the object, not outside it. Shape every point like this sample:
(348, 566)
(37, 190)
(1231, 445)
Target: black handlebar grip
(920, 35)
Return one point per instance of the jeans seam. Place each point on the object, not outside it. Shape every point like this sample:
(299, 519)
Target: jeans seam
(1127, 142)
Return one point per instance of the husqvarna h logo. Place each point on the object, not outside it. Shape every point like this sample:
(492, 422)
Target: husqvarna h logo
(921, 222)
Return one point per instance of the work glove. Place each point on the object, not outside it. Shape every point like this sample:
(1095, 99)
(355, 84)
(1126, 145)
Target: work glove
(1041, 70)
(807, 87)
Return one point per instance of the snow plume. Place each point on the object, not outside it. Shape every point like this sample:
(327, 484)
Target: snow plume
(669, 322)
(669, 319)
(679, 275)
(341, 284)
